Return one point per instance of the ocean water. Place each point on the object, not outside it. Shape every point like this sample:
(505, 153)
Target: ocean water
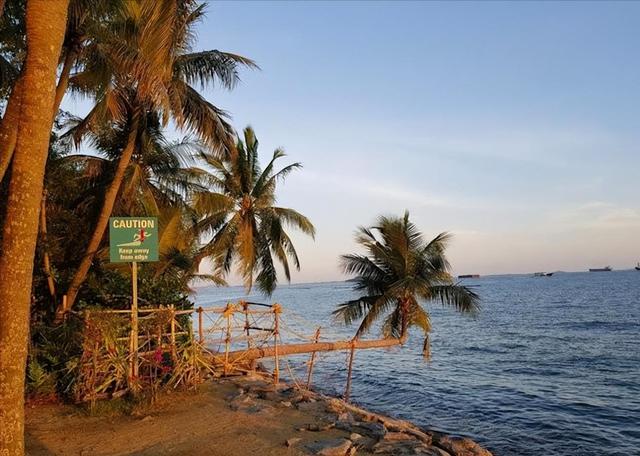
(550, 366)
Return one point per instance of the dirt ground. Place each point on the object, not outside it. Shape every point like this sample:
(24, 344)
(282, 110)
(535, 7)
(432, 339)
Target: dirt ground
(180, 423)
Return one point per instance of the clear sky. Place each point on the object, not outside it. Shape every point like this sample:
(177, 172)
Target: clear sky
(514, 125)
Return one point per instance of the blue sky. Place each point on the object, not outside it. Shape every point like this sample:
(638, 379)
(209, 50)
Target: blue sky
(513, 125)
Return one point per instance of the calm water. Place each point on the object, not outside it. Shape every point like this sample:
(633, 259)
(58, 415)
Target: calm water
(551, 365)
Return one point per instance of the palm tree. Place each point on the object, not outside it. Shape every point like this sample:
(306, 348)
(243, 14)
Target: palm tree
(246, 225)
(398, 270)
(142, 63)
(45, 23)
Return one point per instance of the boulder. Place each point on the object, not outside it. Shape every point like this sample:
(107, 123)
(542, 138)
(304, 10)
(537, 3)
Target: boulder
(375, 430)
(397, 436)
(460, 446)
(330, 447)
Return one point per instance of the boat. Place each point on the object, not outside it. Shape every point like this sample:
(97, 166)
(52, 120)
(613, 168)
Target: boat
(638, 267)
(469, 276)
(605, 269)
(542, 274)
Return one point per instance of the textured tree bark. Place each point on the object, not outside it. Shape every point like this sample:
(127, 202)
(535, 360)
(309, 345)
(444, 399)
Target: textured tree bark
(46, 262)
(103, 221)
(9, 127)
(46, 22)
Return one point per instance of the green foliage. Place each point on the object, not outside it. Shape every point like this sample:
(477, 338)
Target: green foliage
(398, 270)
(247, 227)
(53, 350)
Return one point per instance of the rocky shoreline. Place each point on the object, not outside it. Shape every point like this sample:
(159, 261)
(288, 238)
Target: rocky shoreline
(363, 432)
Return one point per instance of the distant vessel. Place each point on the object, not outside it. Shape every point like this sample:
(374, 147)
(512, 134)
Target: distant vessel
(605, 269)
(469, 276)
(542, 274)
(638, 267)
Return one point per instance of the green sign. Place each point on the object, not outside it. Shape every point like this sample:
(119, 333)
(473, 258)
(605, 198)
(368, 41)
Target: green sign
(133, 239)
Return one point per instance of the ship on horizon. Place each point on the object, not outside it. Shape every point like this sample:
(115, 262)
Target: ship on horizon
(605, 269)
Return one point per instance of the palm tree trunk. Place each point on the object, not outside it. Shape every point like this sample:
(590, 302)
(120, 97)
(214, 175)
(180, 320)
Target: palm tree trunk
(103, 221)
(9, 127)
(46, 21)
(63, 80)
(46, 262)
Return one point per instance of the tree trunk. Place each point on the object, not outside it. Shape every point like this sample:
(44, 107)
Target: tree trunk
(63, 81)
(46, 262)
(9, 127)
(46, 21)
(103, 221)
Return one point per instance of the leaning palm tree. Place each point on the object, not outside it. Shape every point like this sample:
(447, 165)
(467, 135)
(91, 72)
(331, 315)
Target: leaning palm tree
(399, 270)
(247, 227)
(142, 62)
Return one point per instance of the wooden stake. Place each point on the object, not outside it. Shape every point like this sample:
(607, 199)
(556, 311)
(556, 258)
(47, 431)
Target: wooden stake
(227, 340)
(312, 359)
(200, 329)
(347, 391)
(276, 328)
(134, 320)
(174, 354)
(245, 308)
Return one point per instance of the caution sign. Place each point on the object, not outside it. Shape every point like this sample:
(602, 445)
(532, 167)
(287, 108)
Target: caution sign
(133, 239)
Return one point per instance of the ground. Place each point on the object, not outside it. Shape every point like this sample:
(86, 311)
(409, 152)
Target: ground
(180, 423)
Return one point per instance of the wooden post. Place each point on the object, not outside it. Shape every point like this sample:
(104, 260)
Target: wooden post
(200, 330)
(134, 320)
(276, 331)
(312, 359)
(245, 308)
(227, 340)
(173, 333)
(347, 391)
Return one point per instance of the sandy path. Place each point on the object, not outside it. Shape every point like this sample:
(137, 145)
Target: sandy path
(179, 424)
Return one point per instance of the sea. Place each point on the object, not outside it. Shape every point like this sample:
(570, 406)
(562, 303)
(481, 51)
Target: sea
(550, 365)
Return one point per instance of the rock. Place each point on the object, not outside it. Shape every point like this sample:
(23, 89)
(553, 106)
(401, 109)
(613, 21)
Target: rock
(240, 402)
(460, 446)
(397, 436)
(330, 447)
(269, 396)
(147, 418)
(335, 406)
(346, 416)
(287, 404)
(375, 430)
(293, 441)
(433, 451)
(400, 448)
(344, 425)
(306, 406)
(319, 427)
(354, 437)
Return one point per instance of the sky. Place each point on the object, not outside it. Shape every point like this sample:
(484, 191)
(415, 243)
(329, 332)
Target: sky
(512, 125)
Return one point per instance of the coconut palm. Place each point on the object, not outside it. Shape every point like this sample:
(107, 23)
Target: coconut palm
(143, 63)
(45, 25)
(247, 227)
(398, 271)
